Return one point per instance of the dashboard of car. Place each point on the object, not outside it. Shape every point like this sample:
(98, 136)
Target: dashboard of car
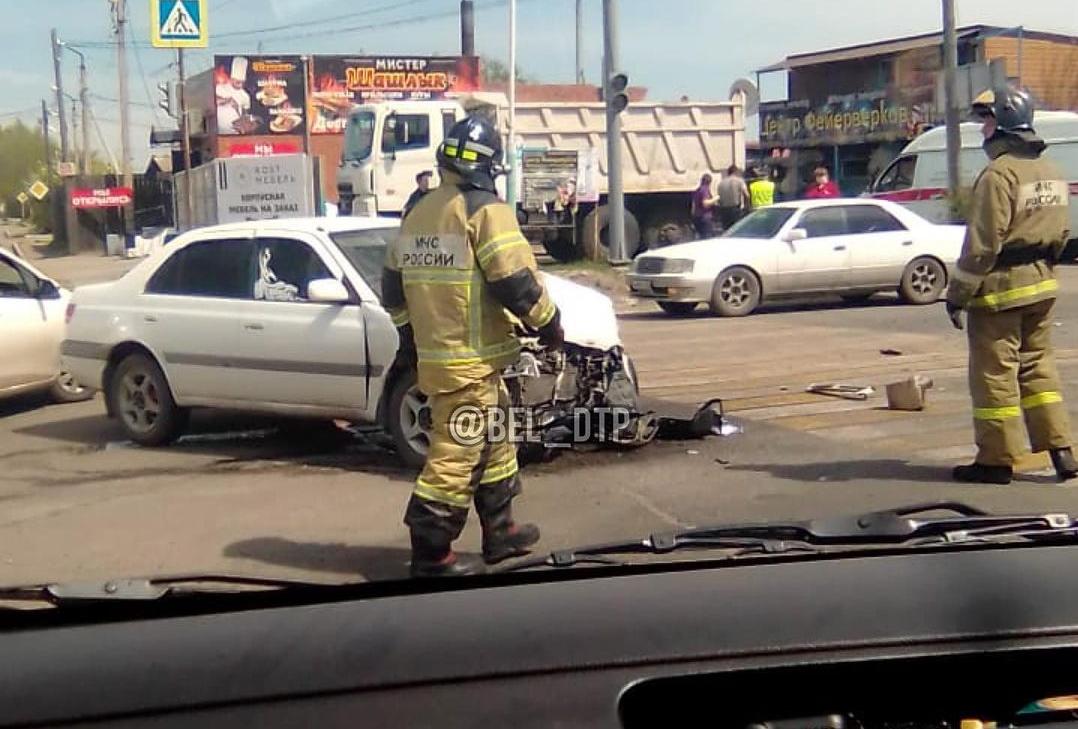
(889, 638)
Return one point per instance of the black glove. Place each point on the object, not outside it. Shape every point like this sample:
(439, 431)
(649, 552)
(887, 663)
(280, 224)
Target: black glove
(552, 336)
(955, 314)
(406, 349)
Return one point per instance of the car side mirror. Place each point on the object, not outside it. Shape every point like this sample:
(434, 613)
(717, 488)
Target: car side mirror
(47, 290)
(327, 291)
(795, 234)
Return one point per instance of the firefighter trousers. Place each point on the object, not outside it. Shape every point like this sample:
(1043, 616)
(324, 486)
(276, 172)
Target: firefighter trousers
(1012, 374)
(471, 443)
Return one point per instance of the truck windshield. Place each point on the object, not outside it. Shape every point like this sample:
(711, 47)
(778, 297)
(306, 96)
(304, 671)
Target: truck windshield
(366, 249)
(763, 223)
(359, 136)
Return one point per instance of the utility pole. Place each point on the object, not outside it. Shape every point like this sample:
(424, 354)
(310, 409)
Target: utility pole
(511, 147)
(950, 94)
(467, 28)
(45, 136)
(579, 41)
(120, 10)
(84, 100)
(185, 134)
(58, 85)
(615, 197)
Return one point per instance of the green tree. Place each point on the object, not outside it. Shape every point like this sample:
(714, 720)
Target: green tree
(496, 73)
(22, 160)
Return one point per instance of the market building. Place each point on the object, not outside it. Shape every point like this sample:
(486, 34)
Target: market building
(853, 109)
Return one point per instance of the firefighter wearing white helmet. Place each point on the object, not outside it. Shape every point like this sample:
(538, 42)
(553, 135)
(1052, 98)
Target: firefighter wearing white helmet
(455, 280)
(1017, 229)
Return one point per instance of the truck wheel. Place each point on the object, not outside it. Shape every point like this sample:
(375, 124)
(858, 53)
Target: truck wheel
(632, 231)
(408, 421)
(559, 246)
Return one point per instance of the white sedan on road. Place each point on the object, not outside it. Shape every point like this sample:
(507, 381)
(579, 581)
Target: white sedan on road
(851, 247)
(32, 309)
(281, 317)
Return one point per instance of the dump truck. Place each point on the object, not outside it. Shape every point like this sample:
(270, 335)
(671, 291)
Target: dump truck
(666, 147)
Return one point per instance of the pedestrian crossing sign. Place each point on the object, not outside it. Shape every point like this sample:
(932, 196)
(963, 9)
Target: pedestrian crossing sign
(178, 24)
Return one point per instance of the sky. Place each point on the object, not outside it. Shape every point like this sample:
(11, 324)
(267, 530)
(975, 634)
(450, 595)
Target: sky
(695, 48)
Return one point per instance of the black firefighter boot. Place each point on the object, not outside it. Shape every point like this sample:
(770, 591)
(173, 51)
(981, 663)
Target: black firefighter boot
(1065, 464)
(433, 527)
(502, 537)
(980, 473)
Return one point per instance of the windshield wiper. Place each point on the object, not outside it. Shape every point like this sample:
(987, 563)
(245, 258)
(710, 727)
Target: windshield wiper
(908, 525)
(145, 589)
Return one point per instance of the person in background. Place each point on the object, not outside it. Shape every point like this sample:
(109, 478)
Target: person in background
(789, 186)
(733, 197)
(703, 208)
(822, 186)
(761, 189)
(422, 187)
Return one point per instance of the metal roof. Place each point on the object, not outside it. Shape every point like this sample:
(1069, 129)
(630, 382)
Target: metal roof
(897, 45)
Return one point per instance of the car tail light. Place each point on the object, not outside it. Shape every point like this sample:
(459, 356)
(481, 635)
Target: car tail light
(69, 313)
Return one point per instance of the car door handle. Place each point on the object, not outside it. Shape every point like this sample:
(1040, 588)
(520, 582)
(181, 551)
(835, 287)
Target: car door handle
(255, 327)
(150, 319)
(840, 248)
(907, 242)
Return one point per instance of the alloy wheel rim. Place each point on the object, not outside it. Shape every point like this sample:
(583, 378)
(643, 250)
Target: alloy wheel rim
(140, 401)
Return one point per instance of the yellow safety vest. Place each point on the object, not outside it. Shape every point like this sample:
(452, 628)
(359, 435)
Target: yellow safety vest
(762, 193)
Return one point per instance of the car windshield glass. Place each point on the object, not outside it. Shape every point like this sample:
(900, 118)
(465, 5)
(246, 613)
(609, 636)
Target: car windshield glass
(242, 355)
(764, 223)
(359, 136)
(366, 249)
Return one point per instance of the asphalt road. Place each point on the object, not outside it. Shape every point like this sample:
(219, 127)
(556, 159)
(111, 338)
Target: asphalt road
(79, 502)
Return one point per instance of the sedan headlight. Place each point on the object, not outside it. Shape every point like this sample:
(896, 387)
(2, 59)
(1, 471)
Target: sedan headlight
(677, 265)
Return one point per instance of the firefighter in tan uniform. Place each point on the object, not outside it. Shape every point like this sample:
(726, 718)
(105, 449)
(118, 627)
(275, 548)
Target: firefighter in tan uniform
(1005, 280)
(455, 279)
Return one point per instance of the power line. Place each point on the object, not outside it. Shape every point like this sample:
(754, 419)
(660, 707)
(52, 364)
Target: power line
(142, 72)
(320, 21)
(415, 19)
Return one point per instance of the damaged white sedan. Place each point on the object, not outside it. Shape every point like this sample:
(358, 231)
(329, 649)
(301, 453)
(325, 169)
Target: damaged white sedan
(283, 317)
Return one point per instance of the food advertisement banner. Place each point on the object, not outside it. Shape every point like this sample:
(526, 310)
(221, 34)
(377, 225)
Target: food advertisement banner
(339, 82)
(260, 95)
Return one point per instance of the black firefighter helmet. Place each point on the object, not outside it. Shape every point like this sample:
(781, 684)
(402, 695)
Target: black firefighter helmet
(473, 149)
(1012, 108)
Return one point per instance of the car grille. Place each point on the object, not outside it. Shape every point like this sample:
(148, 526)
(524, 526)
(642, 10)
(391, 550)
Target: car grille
(649, 265)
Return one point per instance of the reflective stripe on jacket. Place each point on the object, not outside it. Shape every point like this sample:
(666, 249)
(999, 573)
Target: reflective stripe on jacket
(459, 272)
(1019, 202)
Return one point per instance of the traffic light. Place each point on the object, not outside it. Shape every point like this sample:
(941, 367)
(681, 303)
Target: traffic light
(169, 98)
(618, 83)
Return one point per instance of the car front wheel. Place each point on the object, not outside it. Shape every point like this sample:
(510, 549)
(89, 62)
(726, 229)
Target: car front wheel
(923, 281)
(140, 397)
(67, 389)
(409, 421)
(736, 292)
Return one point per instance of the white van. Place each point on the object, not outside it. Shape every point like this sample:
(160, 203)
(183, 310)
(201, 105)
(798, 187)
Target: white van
(918, 177)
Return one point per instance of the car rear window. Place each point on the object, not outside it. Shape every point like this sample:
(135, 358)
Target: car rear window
(366, 249)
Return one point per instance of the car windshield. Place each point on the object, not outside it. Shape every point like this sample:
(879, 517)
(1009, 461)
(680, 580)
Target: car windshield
(359, 136)
(764, 223)
(247, 336)
(366, 250)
